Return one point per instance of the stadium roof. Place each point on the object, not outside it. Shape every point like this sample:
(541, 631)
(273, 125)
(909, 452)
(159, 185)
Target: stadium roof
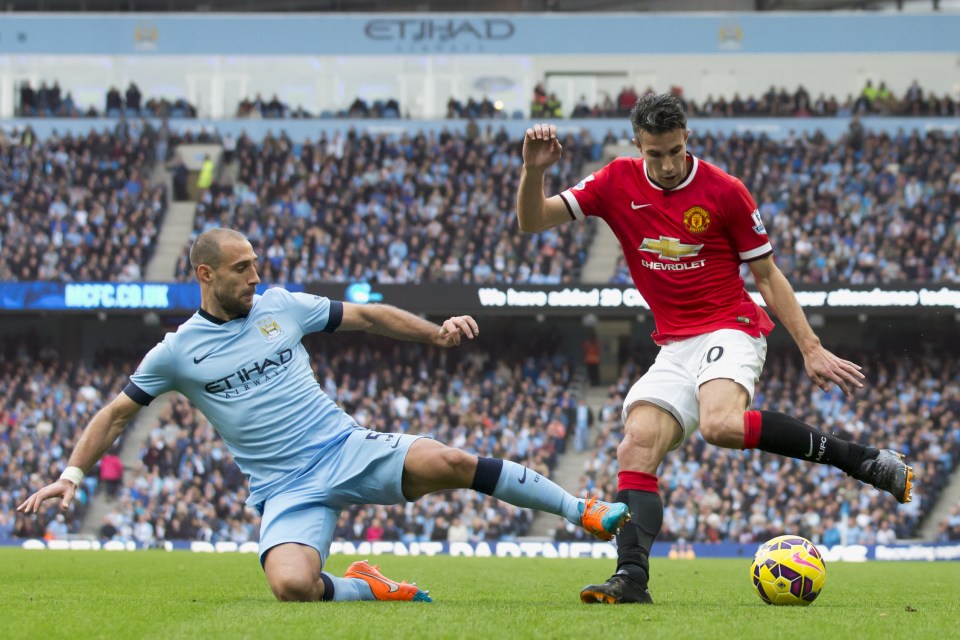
(472, 6)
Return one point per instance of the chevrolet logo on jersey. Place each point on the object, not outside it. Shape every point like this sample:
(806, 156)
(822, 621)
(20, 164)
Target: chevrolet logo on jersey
(670, 248)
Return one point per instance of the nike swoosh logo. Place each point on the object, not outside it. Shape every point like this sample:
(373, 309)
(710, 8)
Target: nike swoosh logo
(523, 478)
(197, 360)
(810, 453)
(392, 586)
(637, 206)
(799, 560)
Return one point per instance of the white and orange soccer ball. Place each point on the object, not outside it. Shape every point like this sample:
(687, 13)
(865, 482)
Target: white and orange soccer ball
(788, 570)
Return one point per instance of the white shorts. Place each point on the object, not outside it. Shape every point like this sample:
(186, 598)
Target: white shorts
(673, 382)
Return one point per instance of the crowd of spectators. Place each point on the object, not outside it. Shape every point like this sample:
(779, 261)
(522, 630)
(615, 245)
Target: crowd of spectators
(483, 109)
(414, 208)
(275, 108)
(868, 208)
(45, 402)
(189, 487)
(79, 208)
(950, 527)
(871, 100)
(910, 404)
(545, 105)
(799, 103)
(49, 101)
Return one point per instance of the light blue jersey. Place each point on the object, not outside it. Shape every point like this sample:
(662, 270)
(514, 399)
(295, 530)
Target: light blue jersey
(252, 379)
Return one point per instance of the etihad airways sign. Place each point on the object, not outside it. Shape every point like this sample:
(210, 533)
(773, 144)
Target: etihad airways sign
(442, 34)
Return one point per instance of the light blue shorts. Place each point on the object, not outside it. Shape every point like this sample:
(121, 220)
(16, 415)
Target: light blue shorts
(366, 469)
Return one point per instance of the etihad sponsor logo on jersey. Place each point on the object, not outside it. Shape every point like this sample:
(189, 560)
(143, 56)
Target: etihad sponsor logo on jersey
(269, 329)
(696, 219)
(671, 249)
(251, 376)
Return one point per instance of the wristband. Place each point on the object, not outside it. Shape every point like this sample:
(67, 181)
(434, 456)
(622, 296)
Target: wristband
(73, 474)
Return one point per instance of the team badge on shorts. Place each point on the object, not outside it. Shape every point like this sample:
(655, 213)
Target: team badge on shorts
(269, 329)
(696, 219)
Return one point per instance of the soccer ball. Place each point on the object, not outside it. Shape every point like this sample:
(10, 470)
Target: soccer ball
(788, 570)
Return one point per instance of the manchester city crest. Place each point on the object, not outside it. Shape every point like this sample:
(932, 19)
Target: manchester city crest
(269, 329)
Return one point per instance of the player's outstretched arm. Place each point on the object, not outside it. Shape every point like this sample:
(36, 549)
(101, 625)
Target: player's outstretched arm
(105, 427)
(392, 322)
(536, 212)
(822, 366)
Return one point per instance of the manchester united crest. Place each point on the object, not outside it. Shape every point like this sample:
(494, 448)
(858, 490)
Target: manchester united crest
(696, 219)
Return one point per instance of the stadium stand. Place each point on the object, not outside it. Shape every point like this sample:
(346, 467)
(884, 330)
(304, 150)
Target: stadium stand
(45, 402)
(277, 109)
(950, 527)
(894, 196)
(373, 208)
(49, 101)
(79, 207)
(781, 103)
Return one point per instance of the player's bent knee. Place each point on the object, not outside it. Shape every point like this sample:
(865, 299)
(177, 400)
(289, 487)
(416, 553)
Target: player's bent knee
(298, 587)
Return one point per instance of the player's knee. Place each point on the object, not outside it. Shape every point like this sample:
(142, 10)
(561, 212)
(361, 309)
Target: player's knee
(721, 430)
(641, 449)
(296, 587)
(459, 464)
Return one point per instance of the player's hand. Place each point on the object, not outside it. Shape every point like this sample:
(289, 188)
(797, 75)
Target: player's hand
(63, 489)
(824, 368)
(541, 147)
(453, 328)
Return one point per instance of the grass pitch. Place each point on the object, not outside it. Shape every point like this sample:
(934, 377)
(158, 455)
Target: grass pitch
(153, 594)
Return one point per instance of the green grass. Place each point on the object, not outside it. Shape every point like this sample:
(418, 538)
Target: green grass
(90, 594)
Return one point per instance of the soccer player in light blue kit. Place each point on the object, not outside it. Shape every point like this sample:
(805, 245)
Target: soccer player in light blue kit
(240, 361)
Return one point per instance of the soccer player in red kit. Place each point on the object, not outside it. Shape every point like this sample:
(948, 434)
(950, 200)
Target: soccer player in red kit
(685, 226)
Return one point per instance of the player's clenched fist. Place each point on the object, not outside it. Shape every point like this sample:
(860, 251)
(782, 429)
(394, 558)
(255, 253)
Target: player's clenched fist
(453, 328)
(540, 146)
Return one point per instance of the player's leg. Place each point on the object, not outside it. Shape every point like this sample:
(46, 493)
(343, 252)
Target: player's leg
(431, 466)
(729, 370)
(293, 572)
(295, 536)
(649, 433)
(659, 412)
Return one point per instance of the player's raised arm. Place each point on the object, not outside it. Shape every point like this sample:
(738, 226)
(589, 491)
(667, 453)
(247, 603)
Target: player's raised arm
(105, 427)
(536, 212)
(392, 322)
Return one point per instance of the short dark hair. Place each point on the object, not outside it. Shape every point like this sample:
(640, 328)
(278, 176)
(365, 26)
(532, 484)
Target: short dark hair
(658, 113)
(206, 248)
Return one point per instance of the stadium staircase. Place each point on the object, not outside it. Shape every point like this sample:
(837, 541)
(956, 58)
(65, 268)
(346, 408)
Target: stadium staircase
(570, 467)
(174, 234)
(133, 442)
(948, 497)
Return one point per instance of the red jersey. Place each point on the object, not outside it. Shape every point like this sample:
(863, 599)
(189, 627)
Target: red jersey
(684, 246)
